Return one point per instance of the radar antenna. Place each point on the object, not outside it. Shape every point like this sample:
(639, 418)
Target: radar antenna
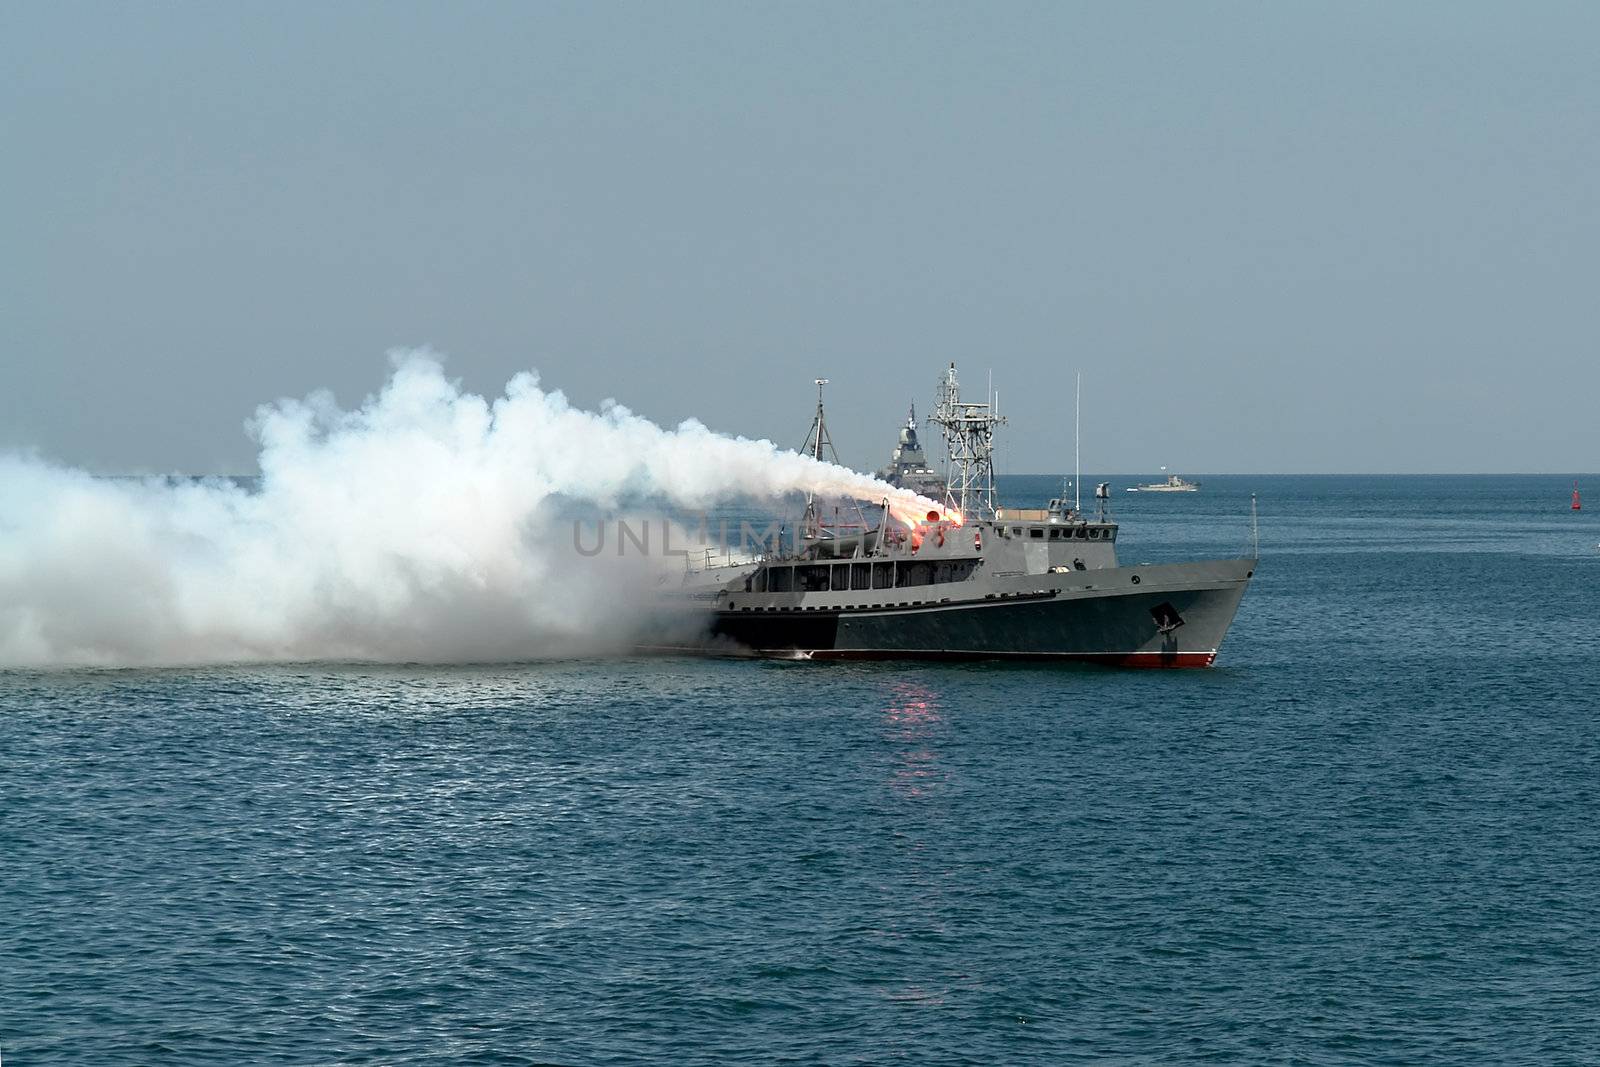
(969, 444)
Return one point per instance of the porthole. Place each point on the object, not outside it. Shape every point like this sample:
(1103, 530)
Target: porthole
(1135, 579)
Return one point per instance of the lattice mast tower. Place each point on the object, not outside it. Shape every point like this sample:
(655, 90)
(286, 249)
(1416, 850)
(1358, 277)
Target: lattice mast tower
(969, 445)
(818, 446)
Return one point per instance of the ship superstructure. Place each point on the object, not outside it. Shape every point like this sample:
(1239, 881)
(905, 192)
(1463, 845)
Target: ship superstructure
(973, 579)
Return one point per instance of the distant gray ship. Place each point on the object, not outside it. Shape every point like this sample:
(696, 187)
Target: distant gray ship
(908, 465)
(1172, 484)
(971, 580)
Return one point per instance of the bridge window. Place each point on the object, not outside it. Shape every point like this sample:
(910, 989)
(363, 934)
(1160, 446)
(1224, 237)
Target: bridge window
(907, 574)
(860, 576)
(780, 579)
(812, 579)
(957, 571)
(883, 576)
(1036, 533)
(841, 576)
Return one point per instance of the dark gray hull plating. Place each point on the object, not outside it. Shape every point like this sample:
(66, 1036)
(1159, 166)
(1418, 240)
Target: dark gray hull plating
(1168, 615)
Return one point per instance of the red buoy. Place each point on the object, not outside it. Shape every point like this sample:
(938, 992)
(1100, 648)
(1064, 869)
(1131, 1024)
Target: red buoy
(1577, 505)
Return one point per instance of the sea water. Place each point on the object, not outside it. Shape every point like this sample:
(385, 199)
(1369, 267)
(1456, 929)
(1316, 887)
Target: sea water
(1370, 834)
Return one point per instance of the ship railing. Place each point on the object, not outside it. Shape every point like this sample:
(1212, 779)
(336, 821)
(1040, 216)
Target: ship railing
(708, 558)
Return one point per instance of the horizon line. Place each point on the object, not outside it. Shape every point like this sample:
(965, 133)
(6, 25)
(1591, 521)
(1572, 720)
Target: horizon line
(1044, 474)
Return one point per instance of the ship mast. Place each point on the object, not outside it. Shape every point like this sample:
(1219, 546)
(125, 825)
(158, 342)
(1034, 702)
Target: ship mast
(1077, 456)
(969, 444)
(817, 440)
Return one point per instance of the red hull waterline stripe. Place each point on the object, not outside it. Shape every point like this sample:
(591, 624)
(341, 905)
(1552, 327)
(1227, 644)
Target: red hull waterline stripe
(1109, 659)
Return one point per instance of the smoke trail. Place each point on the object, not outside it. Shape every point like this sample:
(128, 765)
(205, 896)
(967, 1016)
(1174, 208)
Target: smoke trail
(417, 527)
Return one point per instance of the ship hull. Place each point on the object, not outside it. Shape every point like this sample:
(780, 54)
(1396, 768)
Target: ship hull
(1174, 615)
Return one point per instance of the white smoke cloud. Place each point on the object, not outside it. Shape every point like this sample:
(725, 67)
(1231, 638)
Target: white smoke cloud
(417, 527)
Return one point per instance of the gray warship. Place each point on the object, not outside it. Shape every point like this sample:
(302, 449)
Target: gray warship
(908, 465)
(970, 579)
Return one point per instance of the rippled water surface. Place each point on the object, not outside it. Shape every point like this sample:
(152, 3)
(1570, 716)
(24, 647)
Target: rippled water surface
(1369, 835)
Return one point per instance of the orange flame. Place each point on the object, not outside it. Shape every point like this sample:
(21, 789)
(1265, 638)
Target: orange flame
(916, 512)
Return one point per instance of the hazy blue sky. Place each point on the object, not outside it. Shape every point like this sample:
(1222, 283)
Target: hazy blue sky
(1274, 237)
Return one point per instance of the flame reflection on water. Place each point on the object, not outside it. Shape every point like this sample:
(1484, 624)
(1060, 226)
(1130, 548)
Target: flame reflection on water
(913, 719)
